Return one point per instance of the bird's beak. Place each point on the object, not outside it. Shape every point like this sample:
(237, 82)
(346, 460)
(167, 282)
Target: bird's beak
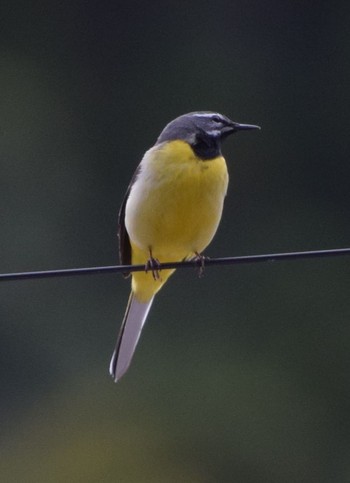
(243, 127)
(235, 127)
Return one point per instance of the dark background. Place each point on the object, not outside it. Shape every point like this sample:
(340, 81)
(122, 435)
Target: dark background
(241, 376)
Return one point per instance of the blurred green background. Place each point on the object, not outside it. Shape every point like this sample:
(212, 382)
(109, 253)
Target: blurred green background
(241, 376)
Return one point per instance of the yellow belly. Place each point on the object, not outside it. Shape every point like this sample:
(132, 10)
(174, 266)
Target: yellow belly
(174, 207)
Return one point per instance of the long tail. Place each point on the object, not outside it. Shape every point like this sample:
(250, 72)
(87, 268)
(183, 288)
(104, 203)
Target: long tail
(133, 322)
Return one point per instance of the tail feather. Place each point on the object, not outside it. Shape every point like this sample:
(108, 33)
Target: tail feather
(133, 322)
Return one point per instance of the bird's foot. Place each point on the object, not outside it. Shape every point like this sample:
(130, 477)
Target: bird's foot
(153, 265)
(200, 259)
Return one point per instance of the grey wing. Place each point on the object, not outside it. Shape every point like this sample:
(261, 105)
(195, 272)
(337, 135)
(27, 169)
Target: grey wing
(124, 240)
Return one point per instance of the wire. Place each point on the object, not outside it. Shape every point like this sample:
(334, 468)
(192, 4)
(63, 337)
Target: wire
(198, 262)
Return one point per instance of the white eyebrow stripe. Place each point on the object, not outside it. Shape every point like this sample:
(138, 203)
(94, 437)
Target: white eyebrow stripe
(208, 114)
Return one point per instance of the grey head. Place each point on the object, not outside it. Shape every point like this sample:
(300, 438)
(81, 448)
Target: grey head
(203, 131)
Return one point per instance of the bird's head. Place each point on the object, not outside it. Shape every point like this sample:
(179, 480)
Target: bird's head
(203, 131)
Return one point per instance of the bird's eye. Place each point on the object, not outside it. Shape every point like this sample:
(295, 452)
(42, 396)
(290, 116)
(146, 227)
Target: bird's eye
(216, 119)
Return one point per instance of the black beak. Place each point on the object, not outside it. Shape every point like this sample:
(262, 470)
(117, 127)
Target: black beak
(243, 127)
(235, 126)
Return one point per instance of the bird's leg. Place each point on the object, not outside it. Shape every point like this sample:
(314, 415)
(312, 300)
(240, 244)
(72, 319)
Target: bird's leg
(153, 264)
(200, 259)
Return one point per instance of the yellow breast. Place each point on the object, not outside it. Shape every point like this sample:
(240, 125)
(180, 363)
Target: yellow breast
(175, 205)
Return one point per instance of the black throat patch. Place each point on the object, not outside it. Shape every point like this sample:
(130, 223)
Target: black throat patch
(206, 147)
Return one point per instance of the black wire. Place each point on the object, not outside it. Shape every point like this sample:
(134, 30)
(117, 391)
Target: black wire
(275, 257)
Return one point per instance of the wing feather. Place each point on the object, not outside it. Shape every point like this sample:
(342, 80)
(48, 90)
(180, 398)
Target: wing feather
(124, 240)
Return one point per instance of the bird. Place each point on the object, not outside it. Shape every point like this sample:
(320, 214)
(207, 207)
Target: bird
(170, 213)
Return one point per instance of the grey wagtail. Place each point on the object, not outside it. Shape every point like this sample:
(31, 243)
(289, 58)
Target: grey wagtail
(171, 212)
